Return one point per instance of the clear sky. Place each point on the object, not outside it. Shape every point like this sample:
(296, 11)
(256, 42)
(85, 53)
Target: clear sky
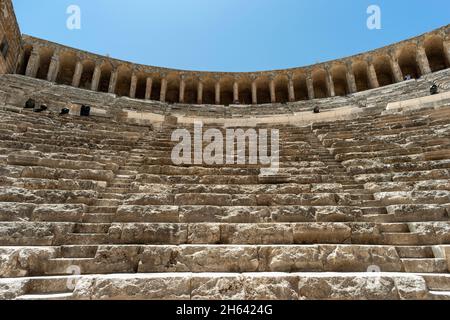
(229, 35)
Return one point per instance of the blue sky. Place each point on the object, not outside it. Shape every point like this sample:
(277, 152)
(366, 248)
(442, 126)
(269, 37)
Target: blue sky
(229, 35)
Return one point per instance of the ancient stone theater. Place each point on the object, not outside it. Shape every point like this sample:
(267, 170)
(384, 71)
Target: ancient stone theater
(93, 206)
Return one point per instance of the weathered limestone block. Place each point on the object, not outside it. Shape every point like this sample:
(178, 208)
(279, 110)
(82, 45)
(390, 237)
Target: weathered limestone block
(365, 166)
(87, 197)
(365, 233)
(388, 186)
(326, 188)
(235, 214)
(116, 259)
(137, 187)
(131, 286)
(348, 287)
(160, 214)
(420, 197)
(62, 184)
(10, 194)
(59, 212)
(312, 233)
(293, 214)
(290, 259)
(312, 199)
(22, 262)
(12, 211)
(150, 233)
(55, 174)
(415, 212)
(242, 200)
(337, 214)
(203, 233)
(24, 233)
(434, 232)
(12, 288)
(10, 171)
(199, 259)
(251, 286)
(411, 287)
(366, 178)
(257, 234)
(143, 199)
(345, 258)
(421, 175)
(203, 199)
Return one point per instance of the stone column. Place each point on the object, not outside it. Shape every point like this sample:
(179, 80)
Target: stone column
(33, 64)
(291, 88)
(396, 70)
(447, 50)
(148, 88)
(372, 74)
(351, 81)
(162, 96)
(310, 86)
(96, 77)
(182, 88)
(77, 75)
(200, 91)
(235, 91)
(254, 92)
(273, 95)
(422, 60)
(330, 83)
(53, 69)
(113, 81)
(218, 91)
(133, 85)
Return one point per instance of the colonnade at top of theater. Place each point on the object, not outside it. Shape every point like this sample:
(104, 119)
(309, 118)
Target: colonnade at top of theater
(382, 67)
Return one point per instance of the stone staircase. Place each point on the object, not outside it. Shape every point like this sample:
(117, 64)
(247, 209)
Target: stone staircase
(92, 208)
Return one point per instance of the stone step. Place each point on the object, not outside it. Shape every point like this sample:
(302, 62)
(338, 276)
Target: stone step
(108, 202)
(439, 282)
(425, 265)
(102, 209)
(440, 295)
(85, 239)
(415, 252)
(47, 296)
(111, 196)
(395, 228)
(401, 238)
(92, 228)
(81, 251)
(98, 217)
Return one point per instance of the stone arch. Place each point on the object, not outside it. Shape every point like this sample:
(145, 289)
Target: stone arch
(434, 49)
(105, 77)
(320, 84)
(408, 62)
(263, 91)
(209, 95)
(22, 68)
(339, 75)
(87, 74)
(156, 88)
(383, 70)
(361, 76)
(226, 90)
(300, 87)
(245, 91)
(191, 90)
(123, 81)
(282, 89)
(173, 88)
(141, 85)
(45, 58)
(67, 64)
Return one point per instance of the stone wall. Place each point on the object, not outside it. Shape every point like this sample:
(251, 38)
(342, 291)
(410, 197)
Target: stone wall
(411, 59)
(10, 38)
